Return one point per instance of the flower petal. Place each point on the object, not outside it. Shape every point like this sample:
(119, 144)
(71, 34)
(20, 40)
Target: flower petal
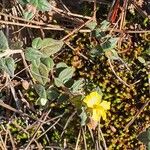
(103, 114)
(99, 112)
(92, 99)
(105, 105)
(96, 114)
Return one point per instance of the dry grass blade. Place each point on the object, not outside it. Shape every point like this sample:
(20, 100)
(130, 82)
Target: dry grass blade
(84, 138)
(43, 117)
(116, 74)
(78, 139)
(136, 115)
(49, 128)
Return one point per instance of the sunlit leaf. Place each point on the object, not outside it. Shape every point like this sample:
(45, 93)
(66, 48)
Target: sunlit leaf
(141, 60)
(48, 62)
(148, 146)
(42, 5)
(3, 41)
(104, 25)
(91, 25)
(51, 46)
(40, 73)
(77, 86)
(28, 15)
(66, 74)
(83, 116)
(58, 82)
(9, 66)
(41, 101)
(37, 43)
(61, 65)
(32, 54)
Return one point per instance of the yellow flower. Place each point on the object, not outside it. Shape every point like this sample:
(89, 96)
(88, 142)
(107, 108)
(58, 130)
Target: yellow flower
(99, 108)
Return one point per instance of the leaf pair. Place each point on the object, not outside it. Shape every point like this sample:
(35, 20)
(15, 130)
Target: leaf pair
(39, 56)
(43, 48)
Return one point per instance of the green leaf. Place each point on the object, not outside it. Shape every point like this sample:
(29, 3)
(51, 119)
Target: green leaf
(28, 15)
(104, 25)
(37, 43)
(83, 116)
(66, 74)
(9, 66)
(77, 86)
(99, 33)
(2, 63)
(3, 41)
(32, 54)
(52, 93)
(61, 65)
(23, 2)
(63, 98)
(48, 62)
(141, 60)
(42, 5)
(58, 82)
(148, 146)
(110, 44)
(147, 51)
(41, 101)
(145, 136)
(92, 25)
(51, 46)
(40, 73)
(40, 90)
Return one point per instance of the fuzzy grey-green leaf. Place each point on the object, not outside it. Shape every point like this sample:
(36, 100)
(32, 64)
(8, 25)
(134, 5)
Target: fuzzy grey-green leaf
(40, 90)
(77, 86)
(40, 73)
(9, 66)
(51, 46)
(37, 43)
(58, 82)
(48, 62)
(3, 41)
(32, 54)
(42, 5)
(66, 74)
